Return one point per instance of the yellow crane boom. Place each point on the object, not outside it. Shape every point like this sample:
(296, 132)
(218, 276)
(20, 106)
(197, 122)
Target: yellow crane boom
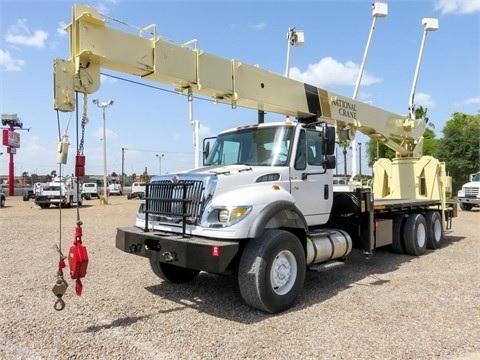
(94, 45)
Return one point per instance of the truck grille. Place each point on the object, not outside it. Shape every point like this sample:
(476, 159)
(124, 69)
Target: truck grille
(178, 202)
(470, 191)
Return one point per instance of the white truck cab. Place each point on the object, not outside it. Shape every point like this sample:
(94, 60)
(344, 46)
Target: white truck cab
(469, 196)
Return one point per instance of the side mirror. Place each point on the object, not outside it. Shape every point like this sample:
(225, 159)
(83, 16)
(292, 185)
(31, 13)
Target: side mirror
(329, 140)
(329, 161)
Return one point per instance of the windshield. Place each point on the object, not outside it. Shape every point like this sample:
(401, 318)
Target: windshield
(476, 177)
(266, 146)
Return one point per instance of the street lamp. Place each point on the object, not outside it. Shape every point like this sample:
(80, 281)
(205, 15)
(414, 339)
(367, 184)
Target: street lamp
(429, 24)
(379, 10)
(160, 162)
(104, 105)
(123, 166)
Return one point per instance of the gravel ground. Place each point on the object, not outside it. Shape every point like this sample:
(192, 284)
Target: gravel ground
(391, 307)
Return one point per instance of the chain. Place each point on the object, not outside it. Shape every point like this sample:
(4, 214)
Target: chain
(84, 122)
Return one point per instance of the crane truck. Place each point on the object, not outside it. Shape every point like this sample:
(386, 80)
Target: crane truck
(262, 207)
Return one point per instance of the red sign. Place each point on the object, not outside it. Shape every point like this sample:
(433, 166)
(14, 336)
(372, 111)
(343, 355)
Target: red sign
(11, 138)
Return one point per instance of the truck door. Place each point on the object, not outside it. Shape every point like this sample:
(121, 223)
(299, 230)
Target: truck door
(310, 183)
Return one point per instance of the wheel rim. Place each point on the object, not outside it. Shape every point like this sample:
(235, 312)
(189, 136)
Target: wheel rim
(283, 272)
(421, 236)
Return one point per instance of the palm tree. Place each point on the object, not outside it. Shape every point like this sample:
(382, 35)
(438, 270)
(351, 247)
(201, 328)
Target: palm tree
(344, 144)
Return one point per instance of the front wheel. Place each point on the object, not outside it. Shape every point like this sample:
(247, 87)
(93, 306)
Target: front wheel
(466, 207)
(272, 271)
(172, 273)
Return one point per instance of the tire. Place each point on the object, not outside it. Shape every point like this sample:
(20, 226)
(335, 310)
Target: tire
(434, 229)
(69, 204)
(129, 196)
(398, 245)
(466, 207)
(272, 271)
(2, 202)
(172, 273)
(415, 235)
(25, 197)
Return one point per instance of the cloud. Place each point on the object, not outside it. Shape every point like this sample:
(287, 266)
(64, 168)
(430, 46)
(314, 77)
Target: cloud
(98, 133)
(329, 71)
(424, 100)
(205, 131)
(9, 64)
(469, 101)
(61, 29)
(458, 7)
(20, 35)
(259, 26)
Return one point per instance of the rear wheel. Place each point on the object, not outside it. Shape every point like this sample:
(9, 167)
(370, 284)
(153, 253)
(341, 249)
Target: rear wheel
(434, 229)
(398, 245)
(272, 271)
(172, 273)
(415, 235)
(25, 197)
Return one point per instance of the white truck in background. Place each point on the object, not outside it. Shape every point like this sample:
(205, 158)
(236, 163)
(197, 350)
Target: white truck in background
(115, 188)
(61, 191)
(90, 190)
(469, 196)
(138, 190)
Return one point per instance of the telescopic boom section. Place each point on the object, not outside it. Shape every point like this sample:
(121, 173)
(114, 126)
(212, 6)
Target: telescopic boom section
(93, 46)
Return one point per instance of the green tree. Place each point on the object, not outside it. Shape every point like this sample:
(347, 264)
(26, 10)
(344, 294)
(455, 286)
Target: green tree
(378, 150)
(344, 144)
(25, 177)
(460, 147)
(145, 177)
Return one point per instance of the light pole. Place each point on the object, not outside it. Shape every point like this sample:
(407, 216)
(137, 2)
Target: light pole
(379, 10)
(123, 167)
(104, 105)
(160, 162)
(429, 24)
(294, 38)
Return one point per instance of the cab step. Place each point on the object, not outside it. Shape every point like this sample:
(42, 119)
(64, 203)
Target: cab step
(326, 266)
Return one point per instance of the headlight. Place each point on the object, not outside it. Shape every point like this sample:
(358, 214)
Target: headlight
(225, 216)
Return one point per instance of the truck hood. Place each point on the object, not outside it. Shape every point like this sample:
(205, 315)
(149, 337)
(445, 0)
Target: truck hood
(234, 176)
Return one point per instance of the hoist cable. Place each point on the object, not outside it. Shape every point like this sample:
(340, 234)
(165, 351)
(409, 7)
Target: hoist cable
(60, 209)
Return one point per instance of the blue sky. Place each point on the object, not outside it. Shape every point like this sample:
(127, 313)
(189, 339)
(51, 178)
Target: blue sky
(150, 121)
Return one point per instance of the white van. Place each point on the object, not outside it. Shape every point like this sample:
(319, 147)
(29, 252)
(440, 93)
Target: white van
(138, 190)
(90, 190)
